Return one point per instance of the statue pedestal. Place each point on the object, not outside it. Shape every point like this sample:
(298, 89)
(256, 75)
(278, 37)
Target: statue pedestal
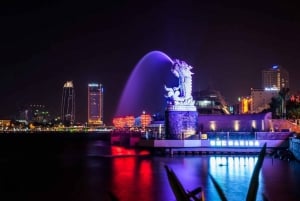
(181, 122)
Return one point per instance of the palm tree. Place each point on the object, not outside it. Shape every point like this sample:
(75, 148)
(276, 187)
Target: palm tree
(283, 96)
(275, 105)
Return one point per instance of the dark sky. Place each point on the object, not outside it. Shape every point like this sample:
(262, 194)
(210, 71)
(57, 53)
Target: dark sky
(228, 44)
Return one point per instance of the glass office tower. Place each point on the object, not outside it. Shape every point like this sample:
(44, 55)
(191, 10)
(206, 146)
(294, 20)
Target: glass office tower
(68, 104)
(95, 104)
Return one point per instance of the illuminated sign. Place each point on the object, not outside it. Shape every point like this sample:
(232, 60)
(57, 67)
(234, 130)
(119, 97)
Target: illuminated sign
(271, 89)
(93, 85)
(234, 143)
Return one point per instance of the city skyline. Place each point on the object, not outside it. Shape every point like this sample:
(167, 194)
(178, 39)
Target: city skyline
(228, 44)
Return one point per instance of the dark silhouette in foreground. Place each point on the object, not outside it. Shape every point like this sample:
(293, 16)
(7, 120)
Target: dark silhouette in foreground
(178, 189)
(182, 195)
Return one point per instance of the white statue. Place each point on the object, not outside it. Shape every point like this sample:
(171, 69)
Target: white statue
(181, 95)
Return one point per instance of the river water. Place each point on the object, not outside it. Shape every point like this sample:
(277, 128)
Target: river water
(87, 171)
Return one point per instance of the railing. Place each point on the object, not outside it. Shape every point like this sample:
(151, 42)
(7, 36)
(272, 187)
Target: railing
(221, 136)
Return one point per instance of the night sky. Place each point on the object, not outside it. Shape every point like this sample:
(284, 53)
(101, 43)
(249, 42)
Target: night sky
(44, 45)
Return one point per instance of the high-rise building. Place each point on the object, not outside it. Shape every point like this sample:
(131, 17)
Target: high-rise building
(261, 99)
(68, 103)
(95, 104)
(275, 78)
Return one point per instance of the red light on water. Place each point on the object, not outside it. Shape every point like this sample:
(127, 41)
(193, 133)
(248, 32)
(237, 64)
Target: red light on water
(121, 151)
(144, 153)
(132, 178)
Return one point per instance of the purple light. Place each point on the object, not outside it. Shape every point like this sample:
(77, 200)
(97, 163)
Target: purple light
(144, 90)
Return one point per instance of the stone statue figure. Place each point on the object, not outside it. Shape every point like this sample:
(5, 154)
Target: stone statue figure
(182, 94)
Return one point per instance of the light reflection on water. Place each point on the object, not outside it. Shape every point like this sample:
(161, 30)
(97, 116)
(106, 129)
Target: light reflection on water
(233, 173)
(144, 178)
(86, 171)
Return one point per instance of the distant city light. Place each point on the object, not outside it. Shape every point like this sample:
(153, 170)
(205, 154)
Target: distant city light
(253, 124)
(236, 125)
(212, 125)
(275, 67)
(68, 84)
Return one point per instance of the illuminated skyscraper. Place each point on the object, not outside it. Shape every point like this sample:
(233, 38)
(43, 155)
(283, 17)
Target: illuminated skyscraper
(68, 103)
(95, 104)
(275, 78)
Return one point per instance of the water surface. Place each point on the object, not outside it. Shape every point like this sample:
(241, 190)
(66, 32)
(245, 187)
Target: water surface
(88, 170)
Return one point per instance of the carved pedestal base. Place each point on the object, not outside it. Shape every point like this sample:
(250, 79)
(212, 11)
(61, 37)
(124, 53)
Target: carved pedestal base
(181, 124)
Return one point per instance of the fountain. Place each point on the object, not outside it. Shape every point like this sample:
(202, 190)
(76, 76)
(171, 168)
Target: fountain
(144, 89)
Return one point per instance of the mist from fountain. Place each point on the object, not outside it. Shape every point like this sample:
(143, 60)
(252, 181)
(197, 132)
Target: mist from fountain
(144, 90)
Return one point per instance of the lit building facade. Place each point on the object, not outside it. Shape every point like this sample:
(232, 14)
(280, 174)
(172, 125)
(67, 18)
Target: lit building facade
(245, 105)
(95, 104)
(238, 122)
(68, 104)
(261, 99)
(4, 124)
(275, 78)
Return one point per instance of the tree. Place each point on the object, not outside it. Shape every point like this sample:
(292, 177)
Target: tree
(275, 107)
(283, 96)
(293, 109)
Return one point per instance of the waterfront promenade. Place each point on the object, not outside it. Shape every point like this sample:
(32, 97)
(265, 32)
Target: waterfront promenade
(212, 143)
